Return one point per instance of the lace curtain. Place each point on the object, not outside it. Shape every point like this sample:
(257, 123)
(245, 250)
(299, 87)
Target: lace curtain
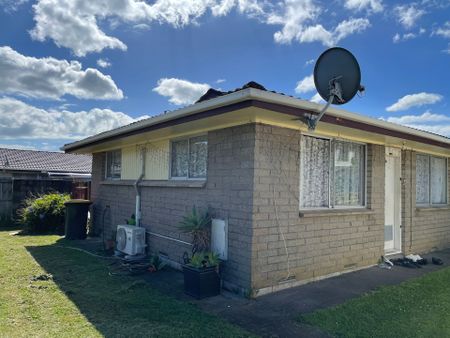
(113, 164)
(348, 174)
(422, 179)
(198, 152)
(189, 158)
(315, 172)
(438, 180)
(431, 180)
(179, 165)
(339, 172)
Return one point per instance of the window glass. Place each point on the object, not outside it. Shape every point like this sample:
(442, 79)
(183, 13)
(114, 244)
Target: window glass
(113, 164)
(180, 154)
(198, 151)
(438, 180)
(331, 178)
(315, 172)
(431, 180)
(422, 179)
(348, 174)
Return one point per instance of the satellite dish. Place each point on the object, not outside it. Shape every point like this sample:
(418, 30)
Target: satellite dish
(337, 78)
(337, 69)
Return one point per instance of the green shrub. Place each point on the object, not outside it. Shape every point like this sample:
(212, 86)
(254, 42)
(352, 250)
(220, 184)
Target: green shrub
(44, 214)
(204, 260)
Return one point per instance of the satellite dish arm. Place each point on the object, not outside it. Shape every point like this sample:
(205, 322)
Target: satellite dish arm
(335, 92)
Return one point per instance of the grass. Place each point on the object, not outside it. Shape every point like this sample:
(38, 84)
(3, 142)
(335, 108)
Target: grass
(416, 308)
(83, 300)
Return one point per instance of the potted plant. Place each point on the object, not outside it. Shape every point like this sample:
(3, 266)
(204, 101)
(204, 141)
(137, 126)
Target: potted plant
(201, 271)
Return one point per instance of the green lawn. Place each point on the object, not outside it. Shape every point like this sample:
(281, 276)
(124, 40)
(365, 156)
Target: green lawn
(83, 300)
(416, 308)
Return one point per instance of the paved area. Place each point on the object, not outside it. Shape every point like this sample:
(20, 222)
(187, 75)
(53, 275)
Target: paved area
(274, 315)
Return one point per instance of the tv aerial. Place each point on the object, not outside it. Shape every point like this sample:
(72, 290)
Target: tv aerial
(337, 78)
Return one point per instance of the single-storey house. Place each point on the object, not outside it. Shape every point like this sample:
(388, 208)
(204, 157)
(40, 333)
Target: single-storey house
(30, 172)
(299, 205)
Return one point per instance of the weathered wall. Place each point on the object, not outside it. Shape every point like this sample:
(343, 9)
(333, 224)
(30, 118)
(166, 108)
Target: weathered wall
(228, 190)
(424, 229)
(318, 242)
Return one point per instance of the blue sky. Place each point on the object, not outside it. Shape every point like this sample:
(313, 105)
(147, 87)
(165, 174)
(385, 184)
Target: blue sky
(73, 68)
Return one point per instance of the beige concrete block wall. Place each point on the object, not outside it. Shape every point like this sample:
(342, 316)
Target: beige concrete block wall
(317, 243)
(228, 190)
(424, 229)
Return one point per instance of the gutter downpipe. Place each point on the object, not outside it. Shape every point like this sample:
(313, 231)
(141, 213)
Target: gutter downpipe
(136, 187)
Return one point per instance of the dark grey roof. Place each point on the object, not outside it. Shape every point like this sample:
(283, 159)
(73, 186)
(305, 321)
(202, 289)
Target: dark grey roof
(32, 160)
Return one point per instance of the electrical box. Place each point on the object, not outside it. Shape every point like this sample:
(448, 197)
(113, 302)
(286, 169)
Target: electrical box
(219, 238)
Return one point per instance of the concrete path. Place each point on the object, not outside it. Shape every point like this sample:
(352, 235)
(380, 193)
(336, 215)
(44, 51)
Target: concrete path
(274, 315)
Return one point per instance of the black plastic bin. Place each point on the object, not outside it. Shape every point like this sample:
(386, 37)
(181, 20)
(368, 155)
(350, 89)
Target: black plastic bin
(76, 219)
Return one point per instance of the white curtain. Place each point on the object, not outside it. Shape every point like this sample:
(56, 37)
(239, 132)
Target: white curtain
(198, 153)
(179, 165)
(348, 173)
(438, 180)
(422, 179)
(314, 172)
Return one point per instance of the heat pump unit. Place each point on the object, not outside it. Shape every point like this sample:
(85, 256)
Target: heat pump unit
(130, 240)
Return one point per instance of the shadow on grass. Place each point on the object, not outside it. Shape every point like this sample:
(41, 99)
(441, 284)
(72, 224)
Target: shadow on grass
(123, 305)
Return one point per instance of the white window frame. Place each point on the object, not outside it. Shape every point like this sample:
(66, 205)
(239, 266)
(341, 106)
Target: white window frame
(110, 178)
(331, 176)
(429, 204)
(187, 178)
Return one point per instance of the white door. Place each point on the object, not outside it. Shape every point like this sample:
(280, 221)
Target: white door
(392, 206)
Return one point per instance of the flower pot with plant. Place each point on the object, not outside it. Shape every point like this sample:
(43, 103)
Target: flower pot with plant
(201, 271)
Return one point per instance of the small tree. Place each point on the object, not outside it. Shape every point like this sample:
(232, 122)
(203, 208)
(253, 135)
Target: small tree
(198, 224)
(44, 213)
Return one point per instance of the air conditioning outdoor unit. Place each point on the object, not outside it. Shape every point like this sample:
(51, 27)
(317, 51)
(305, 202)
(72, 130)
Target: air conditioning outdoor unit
(130, 239)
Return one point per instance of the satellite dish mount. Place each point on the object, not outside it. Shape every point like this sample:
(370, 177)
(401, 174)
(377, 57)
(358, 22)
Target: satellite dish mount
(337, 78)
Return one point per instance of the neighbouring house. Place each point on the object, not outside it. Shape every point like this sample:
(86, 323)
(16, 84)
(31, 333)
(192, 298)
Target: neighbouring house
(299, 205)
(28, 172)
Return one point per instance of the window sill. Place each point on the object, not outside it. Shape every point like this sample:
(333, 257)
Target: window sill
(431, 208)
(159, 183)
(337, 212)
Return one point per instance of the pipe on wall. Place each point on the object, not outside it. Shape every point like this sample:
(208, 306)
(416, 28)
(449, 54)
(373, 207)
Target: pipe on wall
(136, 187)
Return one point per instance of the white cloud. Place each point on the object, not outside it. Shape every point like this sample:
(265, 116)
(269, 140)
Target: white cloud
(218, 81)
(408, 14)
(19, 120)
(428, 121)
(51, 78)
(407, 36)
(309, 62)
(317, 99)
(103, 63)
(77, 24)
(397, 38)
(17, 146)
(443, 31)
(11, 5)
(305, 85)
(359, 5)
(180, 91)
(404, 37)
(414, 100)
(331, 38)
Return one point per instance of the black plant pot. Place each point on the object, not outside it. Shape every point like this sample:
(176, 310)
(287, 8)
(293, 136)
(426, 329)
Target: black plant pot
(201, 283)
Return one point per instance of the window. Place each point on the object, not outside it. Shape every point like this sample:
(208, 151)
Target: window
(113, 164)
(189, 158)
(332, 173)
(431, 180)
